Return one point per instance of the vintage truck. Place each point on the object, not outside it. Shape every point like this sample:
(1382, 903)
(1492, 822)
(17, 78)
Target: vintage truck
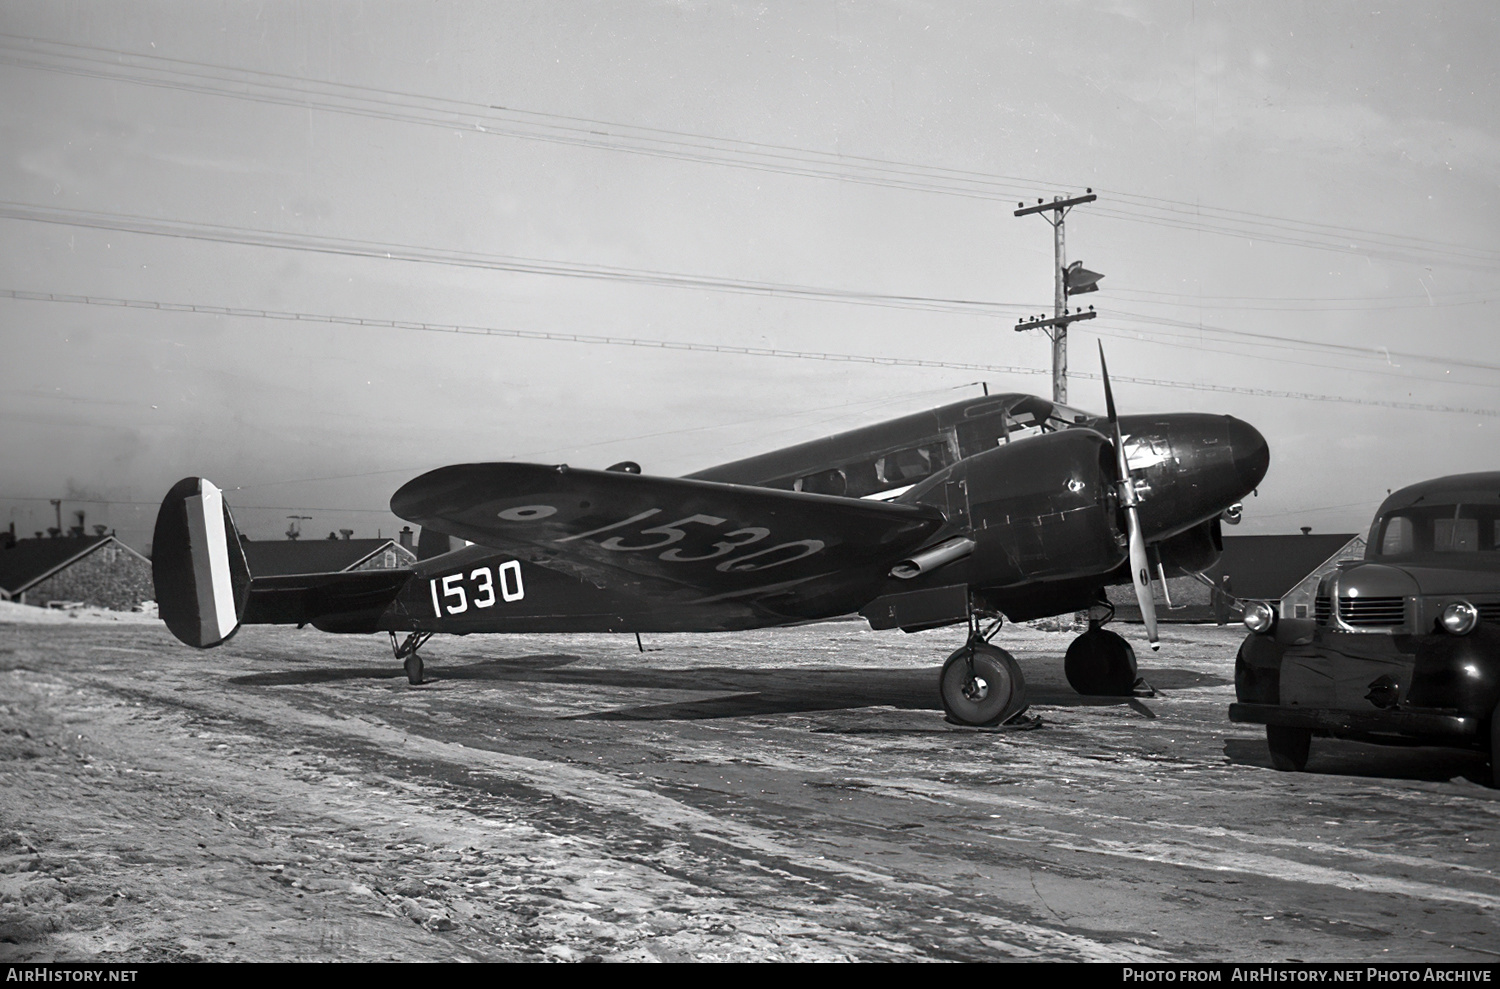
(1403, 646)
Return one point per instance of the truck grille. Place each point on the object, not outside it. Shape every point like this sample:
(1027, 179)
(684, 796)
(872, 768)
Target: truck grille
(1372, 612)
(1322, 609)
(1489, 612)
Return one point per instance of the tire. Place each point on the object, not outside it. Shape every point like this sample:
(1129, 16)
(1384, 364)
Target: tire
(1495, 747)
(413, 667)
(1100, 663)
(995, 693)
(1289, 747)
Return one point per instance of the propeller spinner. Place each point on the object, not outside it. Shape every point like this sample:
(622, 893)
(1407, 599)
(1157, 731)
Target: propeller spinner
(1139, 572)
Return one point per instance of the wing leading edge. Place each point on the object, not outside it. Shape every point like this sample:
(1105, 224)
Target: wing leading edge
(675, 540)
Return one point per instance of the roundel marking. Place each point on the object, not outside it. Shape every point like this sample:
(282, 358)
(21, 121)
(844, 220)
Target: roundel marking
(527, 513)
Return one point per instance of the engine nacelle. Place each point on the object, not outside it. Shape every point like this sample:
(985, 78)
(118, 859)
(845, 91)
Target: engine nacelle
(1039, 509)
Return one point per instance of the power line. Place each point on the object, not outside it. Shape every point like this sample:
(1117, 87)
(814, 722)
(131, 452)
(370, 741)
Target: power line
(584, 338)
(1254, 303)
(1294, 343)
(347, 247)
(471, 116)
(214, 233)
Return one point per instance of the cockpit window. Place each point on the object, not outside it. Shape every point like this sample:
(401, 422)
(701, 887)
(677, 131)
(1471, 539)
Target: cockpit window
(1438, 529)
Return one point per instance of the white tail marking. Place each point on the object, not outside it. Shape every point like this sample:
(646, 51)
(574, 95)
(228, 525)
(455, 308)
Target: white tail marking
(210, 554)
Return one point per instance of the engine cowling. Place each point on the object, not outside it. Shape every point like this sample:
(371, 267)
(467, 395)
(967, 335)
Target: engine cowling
(1042, 508)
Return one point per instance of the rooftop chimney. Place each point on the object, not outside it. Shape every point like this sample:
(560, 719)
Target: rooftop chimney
(1307, 530)
(404, 538)
(346, 533)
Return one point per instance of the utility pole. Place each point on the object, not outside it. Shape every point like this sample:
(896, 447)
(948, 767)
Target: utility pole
(1070, 280)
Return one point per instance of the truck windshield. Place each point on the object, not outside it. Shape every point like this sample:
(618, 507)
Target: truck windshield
(1424, 529)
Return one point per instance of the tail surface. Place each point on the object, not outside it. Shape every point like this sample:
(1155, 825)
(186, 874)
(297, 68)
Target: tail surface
(199, 569)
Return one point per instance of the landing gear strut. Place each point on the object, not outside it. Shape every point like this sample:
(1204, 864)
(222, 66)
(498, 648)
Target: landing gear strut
(1101, 663)
(408, 651)
(981, 684)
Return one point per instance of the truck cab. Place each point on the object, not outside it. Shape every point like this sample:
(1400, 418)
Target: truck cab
(1403, 646)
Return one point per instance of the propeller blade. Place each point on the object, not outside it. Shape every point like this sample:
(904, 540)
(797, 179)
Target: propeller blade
(1140, 574)
(1109, 396)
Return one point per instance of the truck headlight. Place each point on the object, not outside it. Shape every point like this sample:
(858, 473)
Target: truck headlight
(1459, 618)
(1259, 617)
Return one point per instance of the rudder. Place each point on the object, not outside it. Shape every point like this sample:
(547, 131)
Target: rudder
(198, 566)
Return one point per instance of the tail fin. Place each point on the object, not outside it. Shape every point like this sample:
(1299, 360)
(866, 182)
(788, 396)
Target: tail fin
(199, 569)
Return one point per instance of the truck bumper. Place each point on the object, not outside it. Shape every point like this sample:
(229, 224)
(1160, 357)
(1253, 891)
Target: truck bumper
(1436, 726)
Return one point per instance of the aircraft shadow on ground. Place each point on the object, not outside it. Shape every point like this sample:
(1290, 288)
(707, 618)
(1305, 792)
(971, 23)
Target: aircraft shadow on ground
(1338, 757)
(777, 690)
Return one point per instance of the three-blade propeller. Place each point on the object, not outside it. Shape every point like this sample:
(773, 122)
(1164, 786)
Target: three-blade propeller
(1139, 572)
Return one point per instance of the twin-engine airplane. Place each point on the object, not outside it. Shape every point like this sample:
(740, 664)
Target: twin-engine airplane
(1007, 506)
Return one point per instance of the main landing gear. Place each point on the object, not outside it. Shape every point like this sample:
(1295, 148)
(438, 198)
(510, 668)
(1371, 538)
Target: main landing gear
(981, 684)
(1100, 663)
(408, 651)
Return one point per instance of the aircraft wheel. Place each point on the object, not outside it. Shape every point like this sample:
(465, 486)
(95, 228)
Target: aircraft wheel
(1100, 663)
(413, 666)
(1289, 747)
(990, 692)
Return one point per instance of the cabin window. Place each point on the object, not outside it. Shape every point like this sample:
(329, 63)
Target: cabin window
(1455, 535)
(981, 435)
(829, 482)
(1397, 538)
(912, 464)
(1440, 529)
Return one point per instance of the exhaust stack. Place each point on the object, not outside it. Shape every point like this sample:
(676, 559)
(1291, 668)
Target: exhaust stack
(933, 557)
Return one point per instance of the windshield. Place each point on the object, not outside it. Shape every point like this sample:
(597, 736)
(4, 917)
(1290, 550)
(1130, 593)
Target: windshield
(1438, 529)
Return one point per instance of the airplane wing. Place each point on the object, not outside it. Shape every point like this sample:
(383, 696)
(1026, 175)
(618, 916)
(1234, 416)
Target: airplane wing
(672, 539)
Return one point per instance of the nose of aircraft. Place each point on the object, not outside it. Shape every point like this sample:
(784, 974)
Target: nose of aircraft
(1251, 454)
(1215, 461)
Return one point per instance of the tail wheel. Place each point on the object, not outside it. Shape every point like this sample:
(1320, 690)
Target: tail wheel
(413, 667)
(982, 684)
(1100, 663)
(1288, 747)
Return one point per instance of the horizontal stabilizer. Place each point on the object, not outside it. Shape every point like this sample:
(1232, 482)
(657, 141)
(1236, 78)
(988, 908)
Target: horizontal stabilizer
(347, 601)
(199, 570)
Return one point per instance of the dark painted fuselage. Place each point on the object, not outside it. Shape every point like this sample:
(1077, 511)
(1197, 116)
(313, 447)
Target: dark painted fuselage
(1033, 484)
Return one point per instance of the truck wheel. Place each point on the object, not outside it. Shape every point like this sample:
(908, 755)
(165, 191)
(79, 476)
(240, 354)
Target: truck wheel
(1495, 747)
(1288, 747)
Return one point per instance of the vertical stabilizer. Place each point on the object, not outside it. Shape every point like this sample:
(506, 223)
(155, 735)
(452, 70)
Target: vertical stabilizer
(199, 569)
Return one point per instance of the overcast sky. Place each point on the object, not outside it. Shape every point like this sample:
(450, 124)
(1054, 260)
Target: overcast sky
(1294, 200)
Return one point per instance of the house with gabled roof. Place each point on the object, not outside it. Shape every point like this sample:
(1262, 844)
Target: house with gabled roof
(279, 557)
(98, 571)
(1283, 570)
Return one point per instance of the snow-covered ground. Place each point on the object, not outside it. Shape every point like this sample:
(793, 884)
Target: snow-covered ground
(12, 613)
